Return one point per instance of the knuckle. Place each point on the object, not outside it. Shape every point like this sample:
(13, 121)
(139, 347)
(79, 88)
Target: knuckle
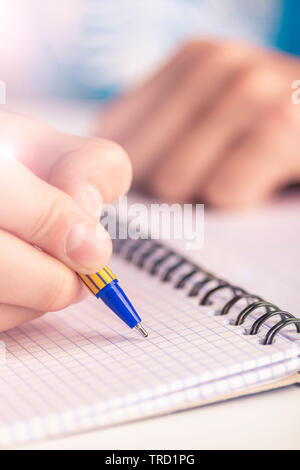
(164, 189)
(226, 53)
(205, 52)
(256, 82)
(219, 51)
(249, 81)
(191, 45)
(214, 53)
(276, 123)
(232, 197)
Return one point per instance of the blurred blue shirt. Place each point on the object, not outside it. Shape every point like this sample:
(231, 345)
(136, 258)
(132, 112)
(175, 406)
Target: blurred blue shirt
(289, 34)
(121, 41)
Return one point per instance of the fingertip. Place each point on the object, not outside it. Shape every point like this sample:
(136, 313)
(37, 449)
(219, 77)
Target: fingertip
(118, 169)
(99, 164)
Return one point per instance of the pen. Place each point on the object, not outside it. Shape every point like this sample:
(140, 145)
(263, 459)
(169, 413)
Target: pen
(105, 286)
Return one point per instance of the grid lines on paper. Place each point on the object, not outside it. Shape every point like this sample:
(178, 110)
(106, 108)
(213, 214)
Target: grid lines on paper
(67, 369)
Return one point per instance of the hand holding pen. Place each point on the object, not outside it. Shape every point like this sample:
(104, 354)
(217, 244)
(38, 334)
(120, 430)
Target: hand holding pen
(105, 286)
(51, 185)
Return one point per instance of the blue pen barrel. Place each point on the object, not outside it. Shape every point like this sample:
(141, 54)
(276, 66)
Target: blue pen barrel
(115, 298)
(104, 285)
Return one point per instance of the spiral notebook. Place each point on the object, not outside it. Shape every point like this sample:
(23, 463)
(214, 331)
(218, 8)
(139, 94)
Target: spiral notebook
(81, 368)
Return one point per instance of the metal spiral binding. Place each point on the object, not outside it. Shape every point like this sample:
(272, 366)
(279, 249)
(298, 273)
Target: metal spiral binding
(141, 250)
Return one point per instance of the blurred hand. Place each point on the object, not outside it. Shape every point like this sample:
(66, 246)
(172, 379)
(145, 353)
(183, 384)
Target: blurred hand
(216, 124)
(51, 186)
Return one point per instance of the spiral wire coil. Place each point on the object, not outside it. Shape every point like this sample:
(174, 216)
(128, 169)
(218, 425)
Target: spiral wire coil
(140, 251)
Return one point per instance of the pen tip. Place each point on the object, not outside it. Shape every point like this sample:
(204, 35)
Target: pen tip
(140, 329)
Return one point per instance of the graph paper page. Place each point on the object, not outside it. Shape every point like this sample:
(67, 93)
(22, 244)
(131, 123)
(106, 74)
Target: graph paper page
(82, 368)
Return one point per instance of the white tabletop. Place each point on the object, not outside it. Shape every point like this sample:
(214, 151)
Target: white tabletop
(266, 421)
(269, 420)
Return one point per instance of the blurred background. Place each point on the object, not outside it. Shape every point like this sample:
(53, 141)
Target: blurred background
(93, 49)
(63, 61)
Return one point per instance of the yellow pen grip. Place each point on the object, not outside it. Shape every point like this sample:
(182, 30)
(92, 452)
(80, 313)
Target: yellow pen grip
(97, 281)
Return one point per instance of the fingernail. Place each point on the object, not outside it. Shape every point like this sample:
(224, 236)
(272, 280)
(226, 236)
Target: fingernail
(84, 247)
(92, 201)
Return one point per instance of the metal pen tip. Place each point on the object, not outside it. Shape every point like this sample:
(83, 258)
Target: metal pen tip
(140, 329)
